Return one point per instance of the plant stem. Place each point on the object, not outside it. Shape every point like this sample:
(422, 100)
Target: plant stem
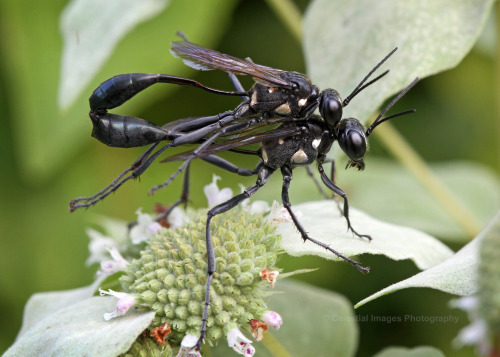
(395, 143)
(497, 82)
(289, 15)
(274, 346)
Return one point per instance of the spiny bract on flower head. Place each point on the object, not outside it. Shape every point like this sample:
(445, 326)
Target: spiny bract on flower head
(170, 275)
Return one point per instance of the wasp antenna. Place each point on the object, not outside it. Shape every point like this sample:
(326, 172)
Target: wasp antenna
(374, 125)
(353, 94)
(378, 120)
(182, 35)
(361, 85)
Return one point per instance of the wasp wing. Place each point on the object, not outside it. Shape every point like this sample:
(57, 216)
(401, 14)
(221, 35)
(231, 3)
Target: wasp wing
(217, 147)
(205, 59)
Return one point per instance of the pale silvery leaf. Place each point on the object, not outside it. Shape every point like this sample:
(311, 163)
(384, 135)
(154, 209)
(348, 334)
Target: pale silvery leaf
(457, 275)
(344, 40)
(407, 203)
(322, 220)
(41, 305)
(80, 330)
(422, 351)
(91, 29)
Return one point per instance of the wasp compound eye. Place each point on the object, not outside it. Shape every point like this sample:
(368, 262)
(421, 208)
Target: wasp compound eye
(352, 139)
(330, 107)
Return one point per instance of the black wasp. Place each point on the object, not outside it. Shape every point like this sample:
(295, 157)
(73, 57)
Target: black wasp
(277, 97)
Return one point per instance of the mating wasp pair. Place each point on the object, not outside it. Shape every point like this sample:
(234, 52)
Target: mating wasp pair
(277, 113)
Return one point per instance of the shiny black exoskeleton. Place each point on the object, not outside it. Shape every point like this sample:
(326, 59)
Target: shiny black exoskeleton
(276, 94)
(277, 97)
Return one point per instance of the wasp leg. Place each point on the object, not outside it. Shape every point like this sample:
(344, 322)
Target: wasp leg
(199, 150)
(228, 166)
(316, 182)
(287, 178)
(216, 161)
(342, 194)
(264, 175)
(137, 168)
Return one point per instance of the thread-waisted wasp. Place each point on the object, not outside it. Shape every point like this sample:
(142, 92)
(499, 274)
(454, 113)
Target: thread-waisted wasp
(278, 97)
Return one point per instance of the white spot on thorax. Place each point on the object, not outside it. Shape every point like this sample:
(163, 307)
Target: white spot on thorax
(283, 109)
(302, 102)
(264, 156)
(315, 143)
(271, 89)
(281, 141)
(299, 157)
(253, 99)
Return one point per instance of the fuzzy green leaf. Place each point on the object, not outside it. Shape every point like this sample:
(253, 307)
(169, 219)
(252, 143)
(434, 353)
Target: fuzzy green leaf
(406, 202)
(457, 275)
(388, 192)
(41, 305)
(323, 222)
(344, 40)
(80, 330)
(91, 31)
(422, 351)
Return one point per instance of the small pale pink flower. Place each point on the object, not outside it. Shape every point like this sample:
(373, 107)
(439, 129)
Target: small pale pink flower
(214, 195)
(272, 318)
(279, 214)
(238, 342)
(118, 263)
(99, 246)
(125, 302)
(476, 333)
(256, 207)
(177, 218)
(145, 228)
(188, 347)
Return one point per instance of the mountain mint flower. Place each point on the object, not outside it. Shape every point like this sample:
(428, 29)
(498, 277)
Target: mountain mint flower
(124, 303)
(239, 343)
(215, 195)
(99, 246)
(169, 277)
(187, 347)
(145, 228)
(165, 270)
(118, 263)
(272, 318)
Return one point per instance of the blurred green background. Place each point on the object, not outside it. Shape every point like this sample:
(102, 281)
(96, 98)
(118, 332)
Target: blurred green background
(48, 157)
